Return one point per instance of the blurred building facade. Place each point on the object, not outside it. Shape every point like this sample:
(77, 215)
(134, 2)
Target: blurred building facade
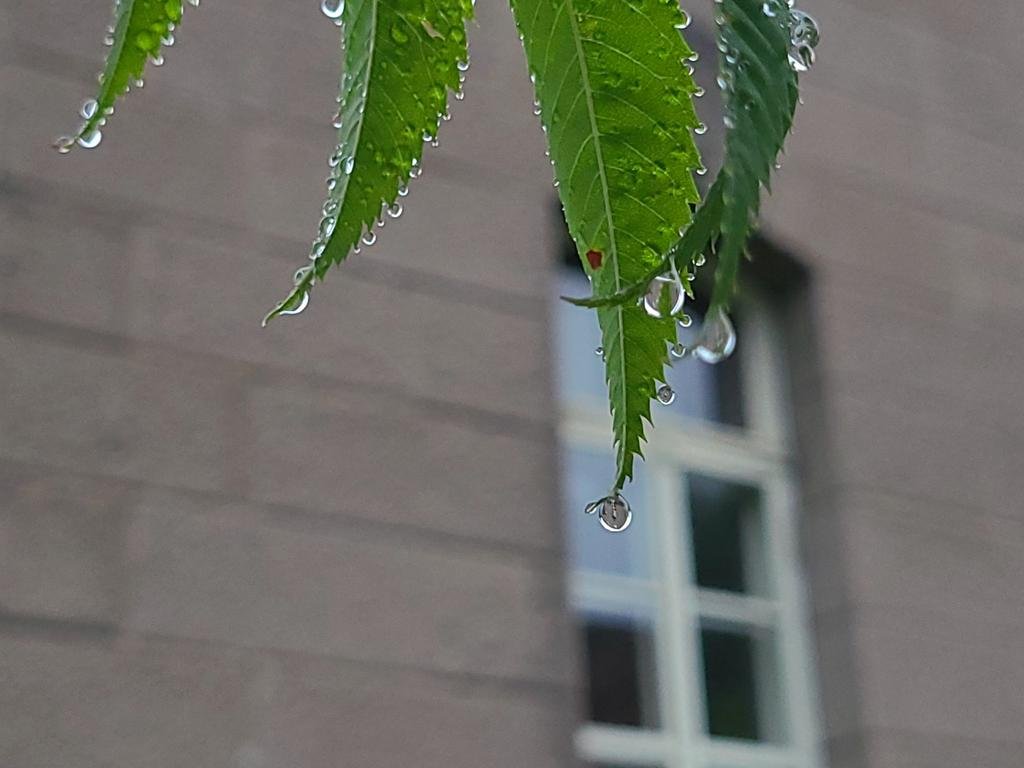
(354, 538)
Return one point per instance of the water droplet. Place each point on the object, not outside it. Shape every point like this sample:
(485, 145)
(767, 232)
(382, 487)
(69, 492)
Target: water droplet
(91, 139)
(89, 107)
(701, 129)
(395, 210)
(613, 512)
(716, 339)
(350, 163)
(599, 351)
(369, 238)
(665, 296)
(332, 9)
(804, 38)
(700, 261)
(64, 144)
(679, 351)
(298, 310)
(685, 321)
(403, 190)
(666, 395)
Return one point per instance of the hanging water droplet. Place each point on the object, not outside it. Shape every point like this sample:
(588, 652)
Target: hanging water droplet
(701, 129)
(403, 190)
(369, 238)
(332, 9)
(666, 395)
(679, 351)
(350, 163)
(158, 60)
(613, 512)
(804, 38)
(685, 321)
(89, 107)
(91, 139)
(64, 144)
(299, 309)
(665, 292)
(599, 351)
(395, 210)
(717, 337)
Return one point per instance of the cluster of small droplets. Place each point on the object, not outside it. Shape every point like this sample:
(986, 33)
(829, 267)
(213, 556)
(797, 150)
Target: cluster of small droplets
(89, 133)
(613, 511)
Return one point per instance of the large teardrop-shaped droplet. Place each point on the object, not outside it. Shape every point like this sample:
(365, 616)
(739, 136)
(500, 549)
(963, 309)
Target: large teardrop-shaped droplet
(717, 337)
(665, 296)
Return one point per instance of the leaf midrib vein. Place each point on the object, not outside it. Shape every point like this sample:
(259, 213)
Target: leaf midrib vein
(577, 40)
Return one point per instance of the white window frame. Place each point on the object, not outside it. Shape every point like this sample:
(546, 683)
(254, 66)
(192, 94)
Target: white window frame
(759, 454)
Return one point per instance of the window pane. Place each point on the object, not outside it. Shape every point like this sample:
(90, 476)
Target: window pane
(727, 530)
(740, 684)
(707, 392)
(621, 670)
(591, 547)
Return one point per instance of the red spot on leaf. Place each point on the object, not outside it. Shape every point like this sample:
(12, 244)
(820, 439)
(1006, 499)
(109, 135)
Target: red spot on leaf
(595, 258)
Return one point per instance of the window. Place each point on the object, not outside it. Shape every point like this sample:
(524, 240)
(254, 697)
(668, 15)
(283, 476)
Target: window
(692, 623)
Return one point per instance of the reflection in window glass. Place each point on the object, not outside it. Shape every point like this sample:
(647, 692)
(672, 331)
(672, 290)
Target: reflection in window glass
(727, 534)
(706, 392)
(621, 670)
(591, 547)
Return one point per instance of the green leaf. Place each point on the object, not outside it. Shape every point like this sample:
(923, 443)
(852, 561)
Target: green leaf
(760, 84)
(140, 31)
(615, 100)
(401, 57)
(761, 94)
